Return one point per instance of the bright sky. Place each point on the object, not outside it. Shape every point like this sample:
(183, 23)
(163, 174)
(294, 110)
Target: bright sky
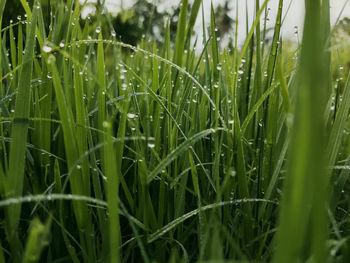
(293, 18)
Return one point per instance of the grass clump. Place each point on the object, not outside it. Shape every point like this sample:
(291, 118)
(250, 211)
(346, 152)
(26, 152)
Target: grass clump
(111, 152)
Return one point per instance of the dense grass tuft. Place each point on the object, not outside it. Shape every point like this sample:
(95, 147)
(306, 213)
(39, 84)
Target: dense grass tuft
(162, 153)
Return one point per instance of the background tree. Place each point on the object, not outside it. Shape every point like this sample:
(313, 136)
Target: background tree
(223, 21)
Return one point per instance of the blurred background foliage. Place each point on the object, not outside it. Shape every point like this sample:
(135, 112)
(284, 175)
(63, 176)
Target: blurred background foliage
(341, 43)
(143, 19)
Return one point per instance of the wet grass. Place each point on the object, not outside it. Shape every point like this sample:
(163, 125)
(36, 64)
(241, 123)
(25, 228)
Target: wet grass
(160, 153)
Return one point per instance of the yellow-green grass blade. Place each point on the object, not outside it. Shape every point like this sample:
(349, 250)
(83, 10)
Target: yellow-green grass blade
(45, 105)
(112, 174)
(101, 92)
(250, 33)
(26, 8)
(334, 144)
(160, 232)
(214, 45)
(155, 97)
(3, 108)
(284, 88)
(81, 138)
(303, 231)
(13, 52)
(257, 74)
(193, 18)
(175, 153)
(81, 120)
(20, 45)
(336, 134)
(255, 108)
(37, 240)
(2, 7)
(15, 176)
(268, 130)
(181, 33)
(71, 149)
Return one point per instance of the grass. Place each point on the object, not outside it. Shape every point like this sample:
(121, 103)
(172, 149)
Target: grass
(161, 153)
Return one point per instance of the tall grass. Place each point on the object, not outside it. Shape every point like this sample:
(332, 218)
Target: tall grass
(160, 153)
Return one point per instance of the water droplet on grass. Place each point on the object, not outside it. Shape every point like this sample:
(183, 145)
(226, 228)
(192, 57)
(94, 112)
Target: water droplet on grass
(47, 49)
(131, 115)
(151, 145)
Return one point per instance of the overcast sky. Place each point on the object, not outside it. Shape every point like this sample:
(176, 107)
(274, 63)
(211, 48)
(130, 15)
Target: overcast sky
(293, 18)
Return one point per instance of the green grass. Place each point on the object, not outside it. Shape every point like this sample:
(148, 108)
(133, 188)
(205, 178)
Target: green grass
(160, 153)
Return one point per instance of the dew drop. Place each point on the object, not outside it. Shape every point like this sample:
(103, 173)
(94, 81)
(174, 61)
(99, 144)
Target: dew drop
(105, 124)
(151, 145)
(47, 49)
(131, 115)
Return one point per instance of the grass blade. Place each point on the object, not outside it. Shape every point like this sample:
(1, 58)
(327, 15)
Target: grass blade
(176, 152)
(15, 176)
(37, 240)
(112, 195)
(305, 194)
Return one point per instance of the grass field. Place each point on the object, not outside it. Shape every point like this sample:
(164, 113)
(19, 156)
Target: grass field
(163, 153)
